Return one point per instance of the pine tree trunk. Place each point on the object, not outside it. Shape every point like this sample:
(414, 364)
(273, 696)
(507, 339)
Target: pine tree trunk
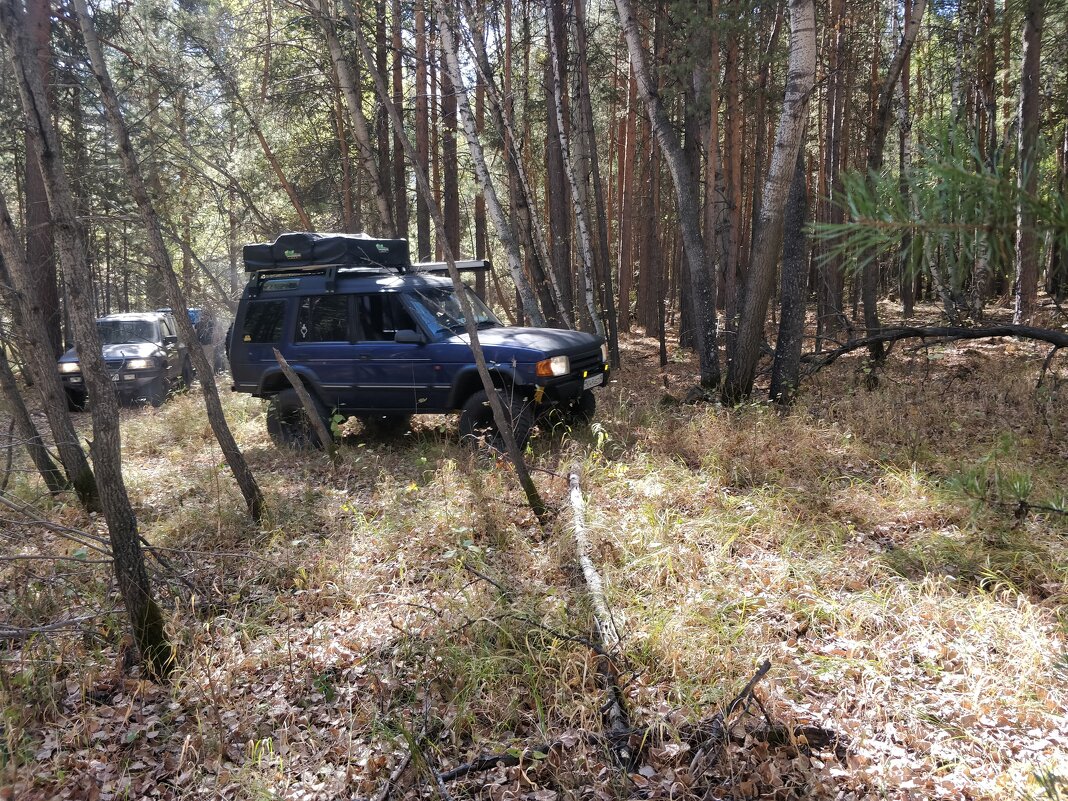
(760, 277)
(400, 181)
(686, 193)
(876, 145)
(1025, 286)
(557, 188)
(626, 192)
(422, 131)
(582, 217)
(162, 262)
(39, 253)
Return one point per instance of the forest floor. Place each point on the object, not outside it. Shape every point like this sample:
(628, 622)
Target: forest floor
(870, 544)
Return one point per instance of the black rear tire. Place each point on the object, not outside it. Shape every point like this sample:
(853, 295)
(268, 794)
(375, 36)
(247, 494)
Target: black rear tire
(478, 426)
(288, 424)
(186, 378)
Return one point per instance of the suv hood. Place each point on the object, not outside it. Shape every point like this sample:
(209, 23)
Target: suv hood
(545, 341)
(127, 350)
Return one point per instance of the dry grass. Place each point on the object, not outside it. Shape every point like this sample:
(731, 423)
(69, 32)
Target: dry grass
(836, 540)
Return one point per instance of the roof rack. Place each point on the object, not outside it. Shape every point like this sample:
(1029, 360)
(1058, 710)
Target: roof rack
(307, 253)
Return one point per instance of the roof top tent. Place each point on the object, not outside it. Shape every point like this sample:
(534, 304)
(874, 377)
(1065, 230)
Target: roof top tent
(304, 251)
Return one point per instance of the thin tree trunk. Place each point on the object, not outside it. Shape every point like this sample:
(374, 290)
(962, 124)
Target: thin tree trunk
(557, 187)
(686, 194)
(604, 278)
(760, 277)
(400, 181)
(582, 219)
(41, 364)
(422, 130)
(1025, 286)
(876, 145)
(423, 184)
(500, 220)
(39, 252)
(161, 259)
(628, 152)
(785, 369)
(132, 578)
(354, 100)
(49, 471)
(545, 283)
(904, 166)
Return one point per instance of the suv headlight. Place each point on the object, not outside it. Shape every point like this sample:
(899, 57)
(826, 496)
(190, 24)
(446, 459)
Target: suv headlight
(70, 367)
(557, 365)
(604, 352)
(140, 364)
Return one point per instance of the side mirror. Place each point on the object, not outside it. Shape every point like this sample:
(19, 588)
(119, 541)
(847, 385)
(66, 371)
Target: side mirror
(406, 336)
(170, 340)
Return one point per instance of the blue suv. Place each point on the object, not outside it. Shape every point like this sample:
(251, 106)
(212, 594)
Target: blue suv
(374, 336)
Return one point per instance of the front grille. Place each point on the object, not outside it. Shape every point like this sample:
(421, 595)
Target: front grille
(586, 361)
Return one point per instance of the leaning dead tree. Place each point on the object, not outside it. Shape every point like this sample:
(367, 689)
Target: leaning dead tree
(501, 418)
(161, 259)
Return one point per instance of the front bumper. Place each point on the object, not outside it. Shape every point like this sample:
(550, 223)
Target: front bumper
(125, 382)
(570, 387)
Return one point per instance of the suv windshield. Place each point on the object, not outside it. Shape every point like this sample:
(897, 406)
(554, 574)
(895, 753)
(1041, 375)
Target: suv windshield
(439, 310)
(119, 332)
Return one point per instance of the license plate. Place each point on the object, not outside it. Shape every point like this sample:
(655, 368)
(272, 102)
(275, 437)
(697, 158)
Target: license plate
(593, 381)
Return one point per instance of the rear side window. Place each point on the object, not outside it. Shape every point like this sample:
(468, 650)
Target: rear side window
(381, 317)
(323, 318)
(263, 321)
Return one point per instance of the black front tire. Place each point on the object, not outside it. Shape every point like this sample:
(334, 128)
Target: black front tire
(76, 401)
(288, 423)
(185, 380)
(156, 392)
(477, 424)
(582, 409)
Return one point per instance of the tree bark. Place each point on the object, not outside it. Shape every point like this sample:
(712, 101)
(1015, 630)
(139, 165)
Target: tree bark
(582, 217)
(500, 220)
(132, 578)
(350, 89)
(1025, 286)
(801, 74)
(41, 365)
(423, 185)
(40, 256)
(876, 145)
(162, 262)
(687, 197)
(422, 131)
(785, 369)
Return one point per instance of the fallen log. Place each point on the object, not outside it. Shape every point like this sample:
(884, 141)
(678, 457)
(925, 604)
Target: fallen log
(817, 361)
(604, 631)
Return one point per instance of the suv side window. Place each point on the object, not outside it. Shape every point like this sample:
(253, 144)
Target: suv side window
(166, 329)
(263, 321)
(381, 317)
(323, 318)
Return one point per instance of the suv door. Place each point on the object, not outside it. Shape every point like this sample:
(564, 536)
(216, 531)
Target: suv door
(174, 351)
(321, 342)
(390, 377)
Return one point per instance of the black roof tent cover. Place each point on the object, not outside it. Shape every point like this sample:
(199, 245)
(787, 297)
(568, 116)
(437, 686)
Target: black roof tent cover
(303, 250)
